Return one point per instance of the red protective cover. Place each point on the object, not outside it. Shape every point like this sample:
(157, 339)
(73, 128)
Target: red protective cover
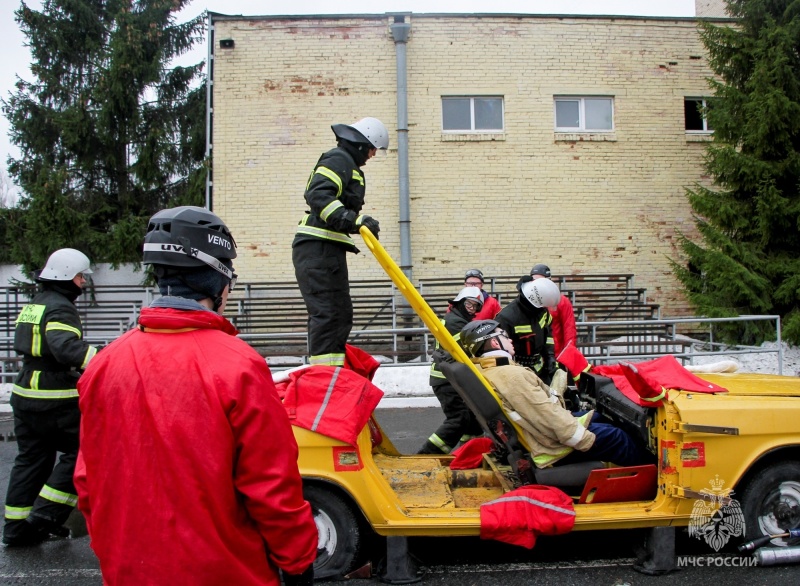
(616, 485)
(470, 455)
(330, 400)
(573, 359)
(646, 383)
(520, 515)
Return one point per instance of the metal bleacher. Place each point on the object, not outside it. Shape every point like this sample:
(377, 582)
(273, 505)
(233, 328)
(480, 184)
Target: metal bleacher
(272, 316)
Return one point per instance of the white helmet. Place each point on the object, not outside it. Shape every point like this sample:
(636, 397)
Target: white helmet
(374, 131)
(64, 264)
(472, 293)
(541, 293)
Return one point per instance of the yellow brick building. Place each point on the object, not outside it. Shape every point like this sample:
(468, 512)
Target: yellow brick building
(582, 201)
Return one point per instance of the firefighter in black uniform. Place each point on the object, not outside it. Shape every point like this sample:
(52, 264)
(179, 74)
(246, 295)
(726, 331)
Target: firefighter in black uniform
(527, 322)
(335, 196)
(460, 424)
(49, 337)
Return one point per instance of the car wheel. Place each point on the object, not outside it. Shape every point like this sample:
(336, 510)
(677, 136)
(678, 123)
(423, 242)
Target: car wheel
(339, 533)
(771, 503)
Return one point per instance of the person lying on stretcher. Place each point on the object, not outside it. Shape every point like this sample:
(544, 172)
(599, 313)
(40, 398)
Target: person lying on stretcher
(554, 434)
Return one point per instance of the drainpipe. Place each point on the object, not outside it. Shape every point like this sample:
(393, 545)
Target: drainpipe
(400, 31)
(209, 96)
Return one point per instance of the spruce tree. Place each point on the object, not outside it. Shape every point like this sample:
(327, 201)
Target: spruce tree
(747, 260)
(109, 130)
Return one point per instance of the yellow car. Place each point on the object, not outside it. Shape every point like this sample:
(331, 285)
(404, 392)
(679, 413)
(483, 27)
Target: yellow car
(746, 441)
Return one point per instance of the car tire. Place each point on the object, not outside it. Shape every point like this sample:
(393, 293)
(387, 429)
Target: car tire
(771, 503)
(339, 532)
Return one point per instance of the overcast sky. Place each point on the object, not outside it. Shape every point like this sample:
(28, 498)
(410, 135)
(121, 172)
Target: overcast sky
(16, 57)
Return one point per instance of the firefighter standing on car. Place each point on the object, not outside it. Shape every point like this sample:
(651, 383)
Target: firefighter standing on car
(49, 336)
(460, 424)
(188, 466)
(528, 323)
(335, 195)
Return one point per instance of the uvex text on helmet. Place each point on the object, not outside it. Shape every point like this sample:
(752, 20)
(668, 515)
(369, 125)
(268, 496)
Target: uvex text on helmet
(64, 265)
(540, 269)
(475, 333)
(541, 293)
(189, 237)
(472, 293)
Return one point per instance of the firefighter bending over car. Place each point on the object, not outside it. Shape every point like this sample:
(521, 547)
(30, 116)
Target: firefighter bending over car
(48, 335)
(335, 195)
(528, 322)
(188, 468)
(460, 425)
(553, 433)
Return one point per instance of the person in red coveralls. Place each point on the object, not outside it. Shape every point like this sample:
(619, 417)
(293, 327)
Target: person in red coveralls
(187, 472)
(491, 306)
(563, 326)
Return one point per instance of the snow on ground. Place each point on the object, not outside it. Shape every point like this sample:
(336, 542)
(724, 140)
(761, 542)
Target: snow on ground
(406, 385)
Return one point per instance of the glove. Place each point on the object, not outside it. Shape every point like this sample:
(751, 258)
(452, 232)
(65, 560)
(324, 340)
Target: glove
(370, 222)
(304, 579)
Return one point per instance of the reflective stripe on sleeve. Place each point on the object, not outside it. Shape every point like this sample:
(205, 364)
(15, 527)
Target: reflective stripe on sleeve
(523, 329)
(576, 437)
(56, 325)
(330, 208)
(358, 177)
(325, 172)
(90, 352)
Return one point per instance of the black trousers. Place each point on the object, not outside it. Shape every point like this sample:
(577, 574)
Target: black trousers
(321, 271)
(36, 489)
(459, 424)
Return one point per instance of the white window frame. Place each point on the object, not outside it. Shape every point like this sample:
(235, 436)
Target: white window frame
(706, 129)
(472, 129)
(581, 114)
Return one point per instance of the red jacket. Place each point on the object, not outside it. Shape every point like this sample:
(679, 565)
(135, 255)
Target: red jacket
(491, 307)
(563, 325)
(188, 466)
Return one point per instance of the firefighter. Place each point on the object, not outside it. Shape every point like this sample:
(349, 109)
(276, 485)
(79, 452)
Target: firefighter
(188, 468)
(49, 336)
(528, 322)
(554, 434)
(563, 326)
(335, 195)
(460, 425)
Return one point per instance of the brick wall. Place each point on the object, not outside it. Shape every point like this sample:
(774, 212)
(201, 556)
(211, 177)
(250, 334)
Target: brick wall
(580, 203)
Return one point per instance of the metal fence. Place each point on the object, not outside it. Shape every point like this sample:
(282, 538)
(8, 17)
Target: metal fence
(646, 339)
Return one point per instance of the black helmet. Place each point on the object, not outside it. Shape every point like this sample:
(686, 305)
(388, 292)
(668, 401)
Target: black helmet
(475, 333)
(189, 237)
(541, 269)
(473, 273)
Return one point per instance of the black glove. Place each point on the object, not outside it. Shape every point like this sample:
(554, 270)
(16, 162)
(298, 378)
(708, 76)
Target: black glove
(370, 222)
(304, 579)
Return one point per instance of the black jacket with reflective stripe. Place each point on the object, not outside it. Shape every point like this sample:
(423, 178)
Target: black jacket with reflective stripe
(530, 331)
(454, 321)
(48, 335)
(335, 196)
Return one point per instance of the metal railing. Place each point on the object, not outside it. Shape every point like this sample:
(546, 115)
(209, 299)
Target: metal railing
(646, 343)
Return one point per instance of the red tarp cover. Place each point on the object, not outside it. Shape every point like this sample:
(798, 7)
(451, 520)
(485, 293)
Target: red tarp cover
(646, 383)
(331, 400)
(520, 515)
